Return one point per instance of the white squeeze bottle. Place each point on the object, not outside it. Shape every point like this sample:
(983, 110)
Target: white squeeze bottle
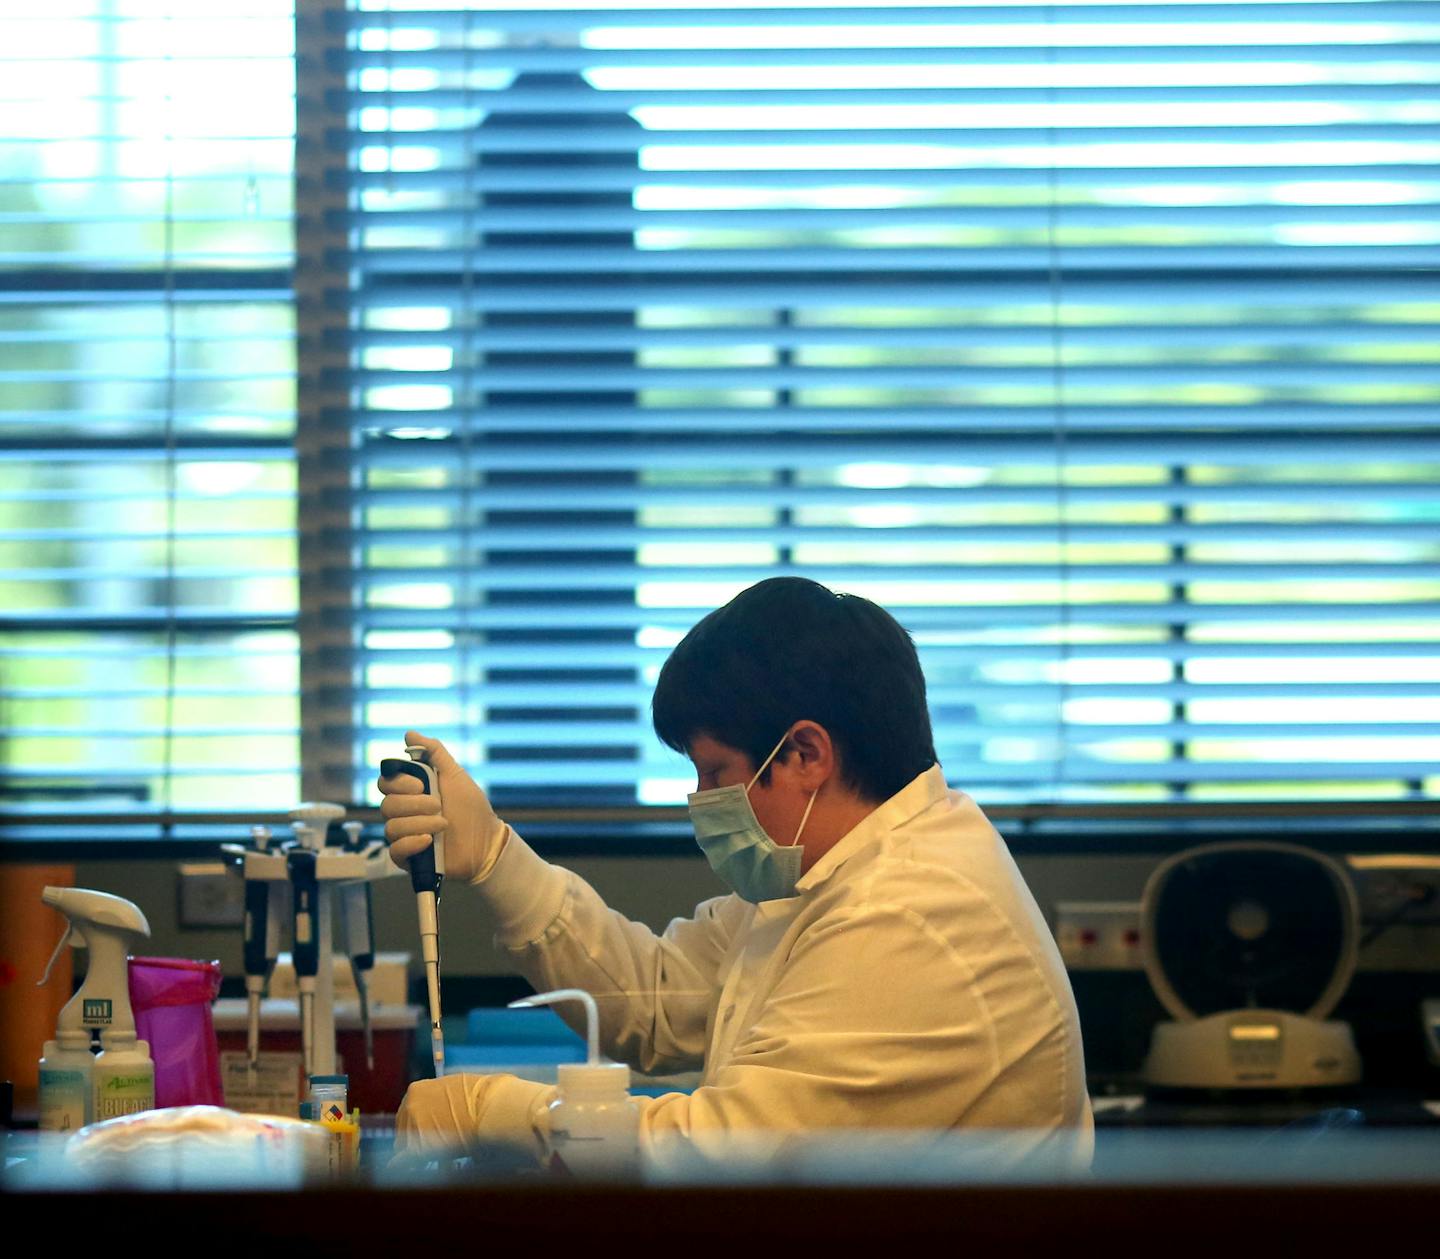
(594, 1123)
(66, 1081)
(123, 1076)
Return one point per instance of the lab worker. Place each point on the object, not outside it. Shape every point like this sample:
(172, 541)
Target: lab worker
(878, 966)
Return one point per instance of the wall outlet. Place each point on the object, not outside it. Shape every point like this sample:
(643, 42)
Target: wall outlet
(1397, 887)
(212, 894)
(1099, 935)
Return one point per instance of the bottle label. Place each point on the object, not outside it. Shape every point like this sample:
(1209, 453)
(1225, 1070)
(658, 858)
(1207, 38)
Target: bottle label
(124, 1093)
(62, 1100)
(114, 1107)
(599, 1142)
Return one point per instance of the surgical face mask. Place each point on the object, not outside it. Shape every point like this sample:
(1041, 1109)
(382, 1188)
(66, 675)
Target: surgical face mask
(752, 864)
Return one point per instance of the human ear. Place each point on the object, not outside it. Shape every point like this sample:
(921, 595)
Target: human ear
(814, 759)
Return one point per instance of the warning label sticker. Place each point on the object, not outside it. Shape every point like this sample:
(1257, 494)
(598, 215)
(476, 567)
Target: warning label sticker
(271, 1087)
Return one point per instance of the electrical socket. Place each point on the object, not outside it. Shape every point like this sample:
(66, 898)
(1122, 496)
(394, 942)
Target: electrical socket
(1099, 935)
(212, 894)
(1386, 883)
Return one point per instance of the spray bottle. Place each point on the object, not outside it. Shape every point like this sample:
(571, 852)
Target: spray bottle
(594, 1123)
(122, 1077)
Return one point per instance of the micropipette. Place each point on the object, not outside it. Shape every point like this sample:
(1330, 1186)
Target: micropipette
(263, 903)
(427, 872)
(358, 928)
(306, 948)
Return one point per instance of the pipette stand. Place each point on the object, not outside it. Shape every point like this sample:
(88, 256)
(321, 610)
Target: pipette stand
(334, 867)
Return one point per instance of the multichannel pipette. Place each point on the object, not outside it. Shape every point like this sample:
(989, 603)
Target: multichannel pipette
(427, 872)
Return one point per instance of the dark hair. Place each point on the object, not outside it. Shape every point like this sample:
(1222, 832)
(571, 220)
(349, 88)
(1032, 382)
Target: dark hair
(789, 650)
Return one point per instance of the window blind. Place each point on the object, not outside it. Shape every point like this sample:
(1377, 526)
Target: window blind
(148, 644)
(1095, 341)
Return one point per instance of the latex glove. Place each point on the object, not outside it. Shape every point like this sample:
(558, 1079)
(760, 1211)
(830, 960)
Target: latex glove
(474, 836)
(457, 1115)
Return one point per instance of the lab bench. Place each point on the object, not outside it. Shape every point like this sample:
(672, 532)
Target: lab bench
(1299, 1111)
(1186, 1188)
(1196, 1217)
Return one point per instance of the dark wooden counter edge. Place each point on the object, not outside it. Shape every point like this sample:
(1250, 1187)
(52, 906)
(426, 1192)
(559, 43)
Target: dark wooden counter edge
(1214, 1219)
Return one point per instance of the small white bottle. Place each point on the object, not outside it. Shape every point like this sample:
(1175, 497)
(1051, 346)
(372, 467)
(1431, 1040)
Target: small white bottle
(594, 1122)
(123, 1076)
(66, 1081)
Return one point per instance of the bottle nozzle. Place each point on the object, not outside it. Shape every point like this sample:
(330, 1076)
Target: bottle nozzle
(592, 1016)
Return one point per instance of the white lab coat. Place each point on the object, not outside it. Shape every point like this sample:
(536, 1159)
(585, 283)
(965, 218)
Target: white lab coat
(911, 985)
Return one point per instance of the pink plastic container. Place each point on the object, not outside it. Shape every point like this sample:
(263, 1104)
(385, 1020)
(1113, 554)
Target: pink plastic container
(171, 997)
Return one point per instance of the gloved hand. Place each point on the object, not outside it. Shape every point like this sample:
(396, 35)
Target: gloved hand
(474, 836)
(458, 1114)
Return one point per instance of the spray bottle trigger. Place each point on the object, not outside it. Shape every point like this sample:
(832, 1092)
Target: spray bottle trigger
(64, 939)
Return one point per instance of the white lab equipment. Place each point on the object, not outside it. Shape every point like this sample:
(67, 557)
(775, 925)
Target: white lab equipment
(122, 1077)
(594, 1122)
(1249, 946)
(427, 873)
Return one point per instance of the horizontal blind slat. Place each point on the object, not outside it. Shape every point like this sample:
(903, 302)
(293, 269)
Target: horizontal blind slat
(621, 575)
(487, 496)
(577, 101)
(519, 17)
(707, 452)
(561, 654)
(560, 60)
(561, 537)
(682, 614)
(539, 696)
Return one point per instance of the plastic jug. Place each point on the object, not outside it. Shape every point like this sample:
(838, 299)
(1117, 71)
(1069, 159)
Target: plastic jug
(171, 998)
